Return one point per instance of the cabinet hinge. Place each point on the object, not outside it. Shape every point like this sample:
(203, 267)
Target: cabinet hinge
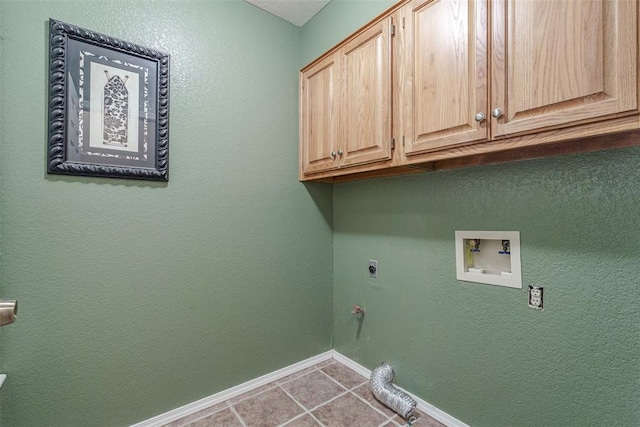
(403, 22)
(393, 30)
(393, 143)
(403, 140)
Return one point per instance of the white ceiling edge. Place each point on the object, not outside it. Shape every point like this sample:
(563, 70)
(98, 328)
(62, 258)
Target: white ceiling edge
(298, 12)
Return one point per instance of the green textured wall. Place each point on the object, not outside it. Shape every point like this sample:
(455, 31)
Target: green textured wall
(476, 351)
(336, 21)
(139, 297)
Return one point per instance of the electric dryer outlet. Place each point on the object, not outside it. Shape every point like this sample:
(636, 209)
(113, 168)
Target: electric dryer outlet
(373, 268)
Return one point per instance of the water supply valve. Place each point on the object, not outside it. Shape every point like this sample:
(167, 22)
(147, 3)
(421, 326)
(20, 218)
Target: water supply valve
(357, 310)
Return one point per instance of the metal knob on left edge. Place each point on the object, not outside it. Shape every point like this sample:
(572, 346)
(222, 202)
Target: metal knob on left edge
(8, 311)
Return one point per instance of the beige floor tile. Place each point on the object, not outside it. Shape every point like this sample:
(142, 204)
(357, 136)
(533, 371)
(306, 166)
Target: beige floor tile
(271, 408)
(321, 388)
(325, 363)
(344, 375)
(224, 418)
(350, 411)
(296, 375)
(304, 421)
(197, 415)
(251, 393)
(365, 392)
(313, 389)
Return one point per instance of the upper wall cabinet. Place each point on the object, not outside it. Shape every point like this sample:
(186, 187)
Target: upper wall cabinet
(319, 101)
(346, 104)
(554, 63)
(365, 108)
(465, 82)
(559, 62)
(445, 73)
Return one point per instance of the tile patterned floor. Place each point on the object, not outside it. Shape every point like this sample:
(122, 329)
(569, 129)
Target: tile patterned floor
(327, 394)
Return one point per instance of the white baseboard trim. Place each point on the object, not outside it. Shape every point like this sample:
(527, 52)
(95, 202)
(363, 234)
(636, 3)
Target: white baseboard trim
(232, 392)
(423, 406)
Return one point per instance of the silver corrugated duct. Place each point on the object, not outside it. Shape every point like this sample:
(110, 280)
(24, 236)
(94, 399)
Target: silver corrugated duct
(385, 392)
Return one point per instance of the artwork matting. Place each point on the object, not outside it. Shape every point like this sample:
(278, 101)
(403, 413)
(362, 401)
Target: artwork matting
(108, 106)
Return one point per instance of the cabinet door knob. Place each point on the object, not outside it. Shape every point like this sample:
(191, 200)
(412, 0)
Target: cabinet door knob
(333, 154)
(340, 152)
(496, 113)
(479, 117)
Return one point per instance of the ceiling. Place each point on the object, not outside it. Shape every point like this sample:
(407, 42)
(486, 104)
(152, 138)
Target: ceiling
(298, 12)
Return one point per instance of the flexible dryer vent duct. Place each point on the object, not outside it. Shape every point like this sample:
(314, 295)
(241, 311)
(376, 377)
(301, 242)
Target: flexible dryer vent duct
(386, 393)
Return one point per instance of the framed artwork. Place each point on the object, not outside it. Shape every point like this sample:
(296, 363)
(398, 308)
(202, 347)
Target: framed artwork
(108, 106)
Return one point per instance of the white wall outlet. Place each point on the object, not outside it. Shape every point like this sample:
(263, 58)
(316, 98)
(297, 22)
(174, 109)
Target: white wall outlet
(373, 268)
(535, 297)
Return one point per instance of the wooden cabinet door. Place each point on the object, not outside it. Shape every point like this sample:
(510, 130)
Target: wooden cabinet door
(365, 113)
(446, 74)
(319, 104)
(559, 62)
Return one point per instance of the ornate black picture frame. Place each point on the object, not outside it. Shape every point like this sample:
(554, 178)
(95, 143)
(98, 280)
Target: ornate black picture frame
(108, 106)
